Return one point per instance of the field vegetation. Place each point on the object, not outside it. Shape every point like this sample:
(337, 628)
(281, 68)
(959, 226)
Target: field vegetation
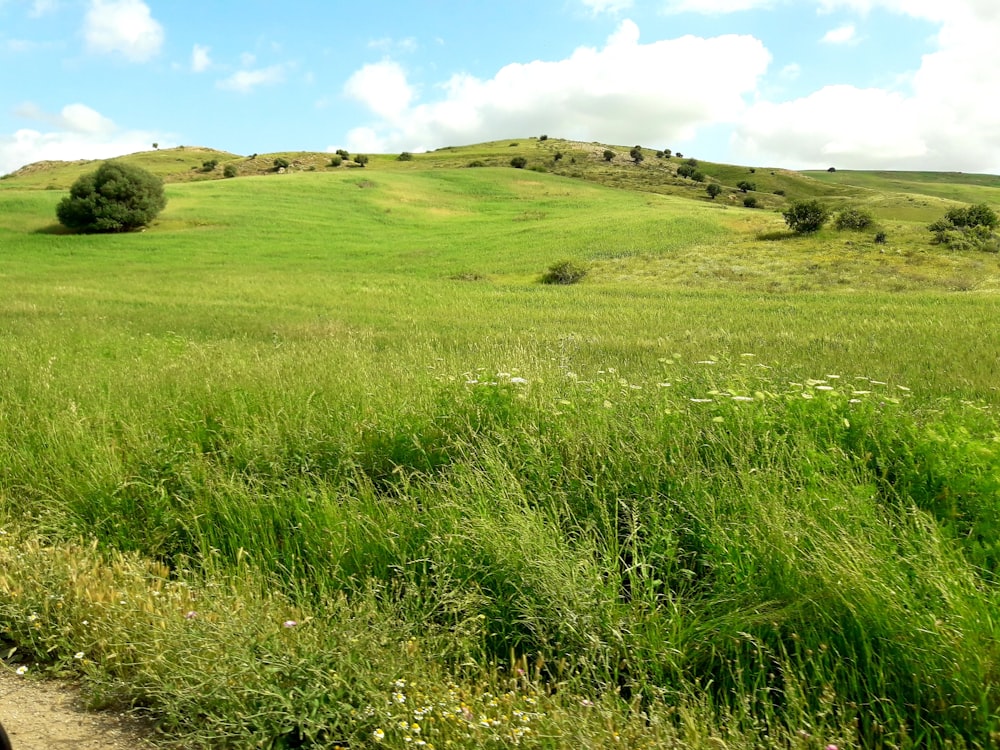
(318, 460)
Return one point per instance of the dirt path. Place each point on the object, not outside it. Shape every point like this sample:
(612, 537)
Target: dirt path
(48, 715)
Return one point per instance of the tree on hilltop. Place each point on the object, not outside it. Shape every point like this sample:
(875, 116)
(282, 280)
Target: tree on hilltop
(116, 198)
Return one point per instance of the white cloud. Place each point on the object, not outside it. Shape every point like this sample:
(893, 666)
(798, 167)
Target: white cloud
(382, 87)
(946, 117)
(846, 34)
(122, 26)
(388, 44)
(245, 81)
(627, 92)
(76, 132)
(607, 6)
(200, 59)
(40, 8)
(715, 7)
(791, 71)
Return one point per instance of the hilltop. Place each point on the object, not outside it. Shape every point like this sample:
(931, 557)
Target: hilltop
(902, 195)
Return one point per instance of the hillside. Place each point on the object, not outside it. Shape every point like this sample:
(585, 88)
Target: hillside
(891, 195)
(316, 459)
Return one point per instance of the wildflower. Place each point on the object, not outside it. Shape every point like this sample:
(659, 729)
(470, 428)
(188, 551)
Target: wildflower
(701, 400)
(831, 747)
(607, 404)
(518, 381)
(824, 387)
(586, 702)
(399, 698)
(399, 684)
(742, 398)
(78, 655)
(663, 385)
(191, 615)
(379, 735)
(21, 671)
(289, 624)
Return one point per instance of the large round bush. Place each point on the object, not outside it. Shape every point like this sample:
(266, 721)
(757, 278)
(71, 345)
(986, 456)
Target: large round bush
(116, 198)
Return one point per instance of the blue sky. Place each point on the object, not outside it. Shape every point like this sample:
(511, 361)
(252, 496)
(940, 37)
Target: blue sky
(894, 84)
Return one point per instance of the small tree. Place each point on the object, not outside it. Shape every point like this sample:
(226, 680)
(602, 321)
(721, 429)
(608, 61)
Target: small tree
(713, 190)
(342, 154)
(679, 155)
(229, 170)
(856, 219)
(685, 170)
(361, 160)
(806, 217)
(745, 186)
(543, 137)
(281, 163)
(405, 156)
(156, 145)
(636, 154)
(519, 162)
(608, 154)
(116, 198)
(697, 176)
(667, 153)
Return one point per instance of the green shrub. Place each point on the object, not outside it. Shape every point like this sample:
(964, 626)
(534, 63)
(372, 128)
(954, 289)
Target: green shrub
(881, 238)
(745, 186)
(697, 176)
(806, 217)
(519, 162)
(229, 170)
(336, 161)
(750, 202)
(855, 219)
(281, 163)
(116, 198)
(564, 272)
(636, 154)
(967, 228)
(608, 154)
(210, 165)
(543, 137)
(476, 163)
(343, 154)
(685, 170)
(405, 156)
(361, 160)
(713, 190)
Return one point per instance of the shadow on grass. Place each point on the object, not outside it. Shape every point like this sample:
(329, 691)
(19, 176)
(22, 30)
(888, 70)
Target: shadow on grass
(776, 236)
(54, 229)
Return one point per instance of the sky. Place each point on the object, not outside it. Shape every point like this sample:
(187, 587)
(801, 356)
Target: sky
(798, 84)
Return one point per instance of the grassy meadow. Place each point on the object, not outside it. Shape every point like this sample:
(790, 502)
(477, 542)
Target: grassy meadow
(316, 461)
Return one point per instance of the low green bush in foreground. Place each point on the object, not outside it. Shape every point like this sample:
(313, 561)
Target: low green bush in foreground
(703, 555)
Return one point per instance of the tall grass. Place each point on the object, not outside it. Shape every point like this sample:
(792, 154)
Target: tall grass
(282, 485)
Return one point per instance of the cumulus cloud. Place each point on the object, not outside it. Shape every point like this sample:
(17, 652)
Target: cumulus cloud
(948, 117)
(76, 132)
(846, 34)
(125, 27)
(245, 81)
(200, 59)
(382, 87)
(626, 92)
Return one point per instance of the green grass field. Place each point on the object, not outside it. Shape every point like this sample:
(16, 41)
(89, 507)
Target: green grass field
(315, 460)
